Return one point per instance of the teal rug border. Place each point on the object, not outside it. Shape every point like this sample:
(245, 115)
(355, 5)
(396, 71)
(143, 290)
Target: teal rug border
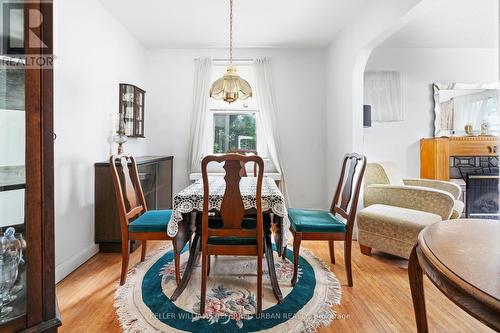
(169, 314)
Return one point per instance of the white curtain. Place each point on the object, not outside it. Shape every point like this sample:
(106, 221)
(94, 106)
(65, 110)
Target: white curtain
(447, 115)
(268, 117)
(384, 92)
(199, 143)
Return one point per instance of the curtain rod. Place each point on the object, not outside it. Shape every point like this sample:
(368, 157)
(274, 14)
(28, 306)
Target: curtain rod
(227, 59)
(237, 59)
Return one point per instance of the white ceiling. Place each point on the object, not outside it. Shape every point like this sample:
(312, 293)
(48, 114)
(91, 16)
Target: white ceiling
(451, 24)
(258, 23)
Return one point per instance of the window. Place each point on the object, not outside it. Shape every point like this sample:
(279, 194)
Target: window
(234, 126)
(234, 131)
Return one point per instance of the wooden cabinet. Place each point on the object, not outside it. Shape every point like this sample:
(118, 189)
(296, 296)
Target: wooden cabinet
(132, 103)
(27, 168)
(435, 153)
(155, 174)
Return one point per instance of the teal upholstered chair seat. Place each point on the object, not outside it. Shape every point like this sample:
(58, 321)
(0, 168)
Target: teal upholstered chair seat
(246, 223)
(231, 241)
(151, 221)
(310, 220)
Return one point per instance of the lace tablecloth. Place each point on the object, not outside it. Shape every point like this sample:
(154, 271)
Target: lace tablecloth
(191, 199)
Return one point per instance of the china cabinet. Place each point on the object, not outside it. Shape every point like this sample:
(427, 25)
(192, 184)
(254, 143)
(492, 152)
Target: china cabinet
(27, 172)
(132, 101)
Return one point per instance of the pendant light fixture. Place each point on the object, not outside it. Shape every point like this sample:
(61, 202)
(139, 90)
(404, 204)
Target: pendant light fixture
(231, 86)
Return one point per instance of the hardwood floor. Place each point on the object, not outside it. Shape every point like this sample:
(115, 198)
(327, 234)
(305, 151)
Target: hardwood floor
(380, 300)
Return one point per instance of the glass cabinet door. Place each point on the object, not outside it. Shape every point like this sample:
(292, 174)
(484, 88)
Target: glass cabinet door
(12, 168)
(139, 125)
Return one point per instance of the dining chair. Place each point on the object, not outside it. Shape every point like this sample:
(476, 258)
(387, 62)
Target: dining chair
(233, 233)
(246, 152)
(335, 224)
(136, 221)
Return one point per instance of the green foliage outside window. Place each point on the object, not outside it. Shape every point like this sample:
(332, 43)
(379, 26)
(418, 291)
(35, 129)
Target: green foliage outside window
(234, 131)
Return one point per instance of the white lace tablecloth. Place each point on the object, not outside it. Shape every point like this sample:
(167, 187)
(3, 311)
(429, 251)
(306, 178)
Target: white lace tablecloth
(191, 199)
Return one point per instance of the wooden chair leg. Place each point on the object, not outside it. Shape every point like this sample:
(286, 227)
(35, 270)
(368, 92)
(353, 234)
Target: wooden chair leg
(332, 251)
(347, 258)
(259, 282)
(297, 238)
(366, 250)
(208, 265)
(203, 283)
(143, 250)
(125, 255)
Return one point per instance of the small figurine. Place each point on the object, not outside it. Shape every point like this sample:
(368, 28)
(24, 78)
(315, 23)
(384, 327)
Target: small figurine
(485, 129)
(469, 131)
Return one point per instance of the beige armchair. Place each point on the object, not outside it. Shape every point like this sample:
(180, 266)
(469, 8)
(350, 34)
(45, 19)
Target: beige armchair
(397, 209)
(420, 194)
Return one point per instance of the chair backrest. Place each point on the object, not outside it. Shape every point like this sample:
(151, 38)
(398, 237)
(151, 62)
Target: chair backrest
(386, 173)
(246, 152)
(232, 209)
(129, 196)
(345, 200)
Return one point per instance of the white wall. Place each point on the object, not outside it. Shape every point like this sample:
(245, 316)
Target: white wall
(346, 60)
(399, 141)
(94, 54)
(299, 82)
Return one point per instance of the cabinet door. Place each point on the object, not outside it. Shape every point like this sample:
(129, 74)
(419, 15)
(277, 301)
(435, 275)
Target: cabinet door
(147, 177)
(139, 119)
(127, 93)
(164, 185)
(13, 167)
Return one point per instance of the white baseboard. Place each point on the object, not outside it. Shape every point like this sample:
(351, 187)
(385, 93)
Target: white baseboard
(68, 266)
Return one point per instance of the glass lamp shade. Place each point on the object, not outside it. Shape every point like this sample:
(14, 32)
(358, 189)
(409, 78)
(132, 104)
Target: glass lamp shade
(230, 87)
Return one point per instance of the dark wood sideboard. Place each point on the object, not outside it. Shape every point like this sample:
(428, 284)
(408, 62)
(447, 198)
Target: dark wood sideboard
(155, 174)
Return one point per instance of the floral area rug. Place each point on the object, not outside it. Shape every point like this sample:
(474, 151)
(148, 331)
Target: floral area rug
(143, 303)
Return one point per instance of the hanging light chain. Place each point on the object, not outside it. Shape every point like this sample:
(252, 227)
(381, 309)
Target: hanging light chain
(231, 32)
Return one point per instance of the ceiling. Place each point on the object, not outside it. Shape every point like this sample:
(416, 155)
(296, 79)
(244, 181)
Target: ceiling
(258, 23)
(451, 24)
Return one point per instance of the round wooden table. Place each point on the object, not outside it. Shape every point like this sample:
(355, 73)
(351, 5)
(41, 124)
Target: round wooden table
(462, 258)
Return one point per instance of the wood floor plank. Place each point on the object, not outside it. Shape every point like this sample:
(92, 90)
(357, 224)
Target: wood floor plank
(380, 300)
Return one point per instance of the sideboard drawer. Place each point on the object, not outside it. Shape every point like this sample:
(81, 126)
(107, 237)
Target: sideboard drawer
(473, 148)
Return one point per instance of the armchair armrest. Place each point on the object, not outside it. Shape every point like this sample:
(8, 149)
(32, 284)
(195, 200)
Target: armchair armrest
(442, 185)
(412, 197)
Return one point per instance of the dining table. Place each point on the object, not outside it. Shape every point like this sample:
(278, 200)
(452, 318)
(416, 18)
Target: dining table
(185, 222)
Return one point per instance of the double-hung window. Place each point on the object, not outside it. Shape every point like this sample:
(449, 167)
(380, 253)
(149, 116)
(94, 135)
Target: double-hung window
(235, 126)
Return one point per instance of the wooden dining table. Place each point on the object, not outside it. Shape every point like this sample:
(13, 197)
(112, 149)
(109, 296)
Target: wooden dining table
(462, 258)
(185, 223)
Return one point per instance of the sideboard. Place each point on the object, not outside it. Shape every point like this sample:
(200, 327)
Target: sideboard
(156, 176)
(435, 153)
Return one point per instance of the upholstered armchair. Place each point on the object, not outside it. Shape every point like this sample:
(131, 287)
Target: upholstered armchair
(397, 209)
(385, 185)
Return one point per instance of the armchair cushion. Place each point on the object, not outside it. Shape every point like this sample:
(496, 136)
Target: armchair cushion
(392, 229)
(310, 220)
(151, 221)
(412, 197)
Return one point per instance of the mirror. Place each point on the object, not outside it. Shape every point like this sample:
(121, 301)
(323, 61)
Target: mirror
(466, 109)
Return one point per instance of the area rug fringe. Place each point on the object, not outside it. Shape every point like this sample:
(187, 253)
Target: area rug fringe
(333, 297)
(131, 323)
